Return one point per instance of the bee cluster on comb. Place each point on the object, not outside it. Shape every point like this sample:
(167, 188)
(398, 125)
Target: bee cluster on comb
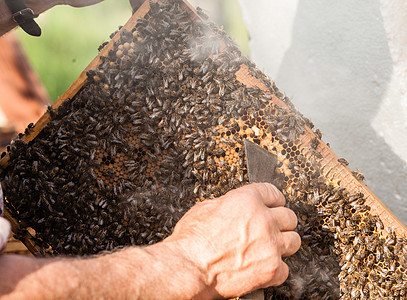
(159, 125)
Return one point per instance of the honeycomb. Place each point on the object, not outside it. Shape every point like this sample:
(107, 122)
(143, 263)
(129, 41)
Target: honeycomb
(159, 125)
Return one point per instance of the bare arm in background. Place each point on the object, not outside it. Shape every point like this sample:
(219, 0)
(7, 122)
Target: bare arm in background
(38, 6)
(223, 247)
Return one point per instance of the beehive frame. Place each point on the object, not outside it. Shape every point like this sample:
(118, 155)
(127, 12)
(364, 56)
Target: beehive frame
(337, 173)
(257, 119)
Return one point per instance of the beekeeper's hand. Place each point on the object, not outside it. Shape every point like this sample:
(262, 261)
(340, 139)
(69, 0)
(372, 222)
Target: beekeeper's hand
(239, 239)
(221, 248)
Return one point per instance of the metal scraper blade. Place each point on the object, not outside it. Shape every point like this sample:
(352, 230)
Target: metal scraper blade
(261, 164)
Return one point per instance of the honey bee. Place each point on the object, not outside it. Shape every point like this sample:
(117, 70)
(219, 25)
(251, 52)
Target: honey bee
(343, 161)
(358, 175)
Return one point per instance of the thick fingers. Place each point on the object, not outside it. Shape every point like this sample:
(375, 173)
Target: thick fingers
(284, 217)
(265, 192)
(291, 242)
(270, 195)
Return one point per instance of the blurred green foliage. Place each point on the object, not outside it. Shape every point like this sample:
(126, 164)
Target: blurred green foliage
(70, 39)
(234, 25)
(71, 36)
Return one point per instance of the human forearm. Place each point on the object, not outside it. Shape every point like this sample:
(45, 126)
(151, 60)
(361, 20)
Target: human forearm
(159, 271)
(154, 272)
(38, 6)
(25, 277)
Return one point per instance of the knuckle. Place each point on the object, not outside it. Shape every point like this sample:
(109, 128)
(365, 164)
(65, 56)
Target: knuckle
(271, 274)
(277, 194)
(244, 195)
(291, 212)
(281, 279)
(249, 198)
(272, 269)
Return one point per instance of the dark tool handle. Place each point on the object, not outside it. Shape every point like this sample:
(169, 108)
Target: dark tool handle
(24, 17)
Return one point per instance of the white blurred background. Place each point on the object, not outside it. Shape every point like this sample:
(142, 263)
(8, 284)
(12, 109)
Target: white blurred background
(344, 64)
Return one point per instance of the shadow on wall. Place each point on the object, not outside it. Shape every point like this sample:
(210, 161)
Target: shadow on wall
(337, 71)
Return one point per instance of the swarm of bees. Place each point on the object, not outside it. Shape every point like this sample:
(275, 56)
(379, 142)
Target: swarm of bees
(160, 125)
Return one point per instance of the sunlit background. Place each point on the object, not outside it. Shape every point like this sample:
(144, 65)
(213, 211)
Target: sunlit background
(71, 36)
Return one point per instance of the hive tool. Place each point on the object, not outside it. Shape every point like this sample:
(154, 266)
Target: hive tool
(261, 166)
